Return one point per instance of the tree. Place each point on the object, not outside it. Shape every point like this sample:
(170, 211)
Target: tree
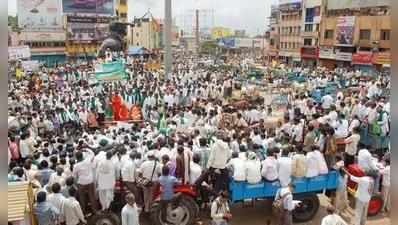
(208, 47)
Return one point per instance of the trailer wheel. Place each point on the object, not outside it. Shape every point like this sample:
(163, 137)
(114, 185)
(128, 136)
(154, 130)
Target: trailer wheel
(375, 205)
(308, 209)
(104, 219)
(185, 213)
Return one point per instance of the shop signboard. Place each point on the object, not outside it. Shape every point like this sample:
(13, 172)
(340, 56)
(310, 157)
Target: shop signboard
(381, 58)
(103, 7)
(309, 52)
(18, 52)
(34, 15)
(345, 30)
(350, 4)
(327, 53)
(220, 32)
(343, 56)
(81, 28)
(363, 58)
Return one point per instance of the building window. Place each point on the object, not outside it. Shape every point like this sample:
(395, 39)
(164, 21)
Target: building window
(385, 35)
(317, 28)
(290, 30)
(307, 41)
(309, 15)
(271, 42)
(328, 34)
(364, 34)
(308, 28)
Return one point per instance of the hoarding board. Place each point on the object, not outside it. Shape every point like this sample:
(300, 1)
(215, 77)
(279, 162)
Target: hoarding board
(343, 56)
(350, 4)
(345, 28)
(220, 32)
(110, 71)
(327, 53)
(30, 65)
(39, 14)
(105, 7)
(363, 58)
(382, 58)
(87, 28)
(18, 52)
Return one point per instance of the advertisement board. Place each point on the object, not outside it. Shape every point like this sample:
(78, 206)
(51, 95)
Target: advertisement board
(309, 52)
(381, 58)
(220, 32)
(350, 4)
(39, 14)
(249, 43)
(364, 58)
(87, 28)
(105, 7)
(345, 28)
(343, 56)
(31, 65)
(18, 52)
(43, 36)
(327, 53)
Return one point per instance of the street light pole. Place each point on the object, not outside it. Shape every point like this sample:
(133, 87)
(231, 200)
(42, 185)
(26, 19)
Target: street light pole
(167, 39)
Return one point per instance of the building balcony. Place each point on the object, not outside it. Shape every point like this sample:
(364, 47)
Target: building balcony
(365, 43)
(384, 44)
(310, 34)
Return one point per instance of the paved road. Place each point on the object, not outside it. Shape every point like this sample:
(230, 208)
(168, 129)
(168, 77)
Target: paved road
(260, 214)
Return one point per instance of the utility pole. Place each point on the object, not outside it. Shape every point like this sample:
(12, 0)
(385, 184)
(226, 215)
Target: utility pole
(167, 39)
(197, 32)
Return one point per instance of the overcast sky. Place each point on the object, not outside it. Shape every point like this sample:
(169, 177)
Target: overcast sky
(237, 14)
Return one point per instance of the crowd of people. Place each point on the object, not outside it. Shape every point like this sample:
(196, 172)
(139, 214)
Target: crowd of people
(60, 139)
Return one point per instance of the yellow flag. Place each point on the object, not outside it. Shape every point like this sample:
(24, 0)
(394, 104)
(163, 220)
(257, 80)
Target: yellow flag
(18, 73)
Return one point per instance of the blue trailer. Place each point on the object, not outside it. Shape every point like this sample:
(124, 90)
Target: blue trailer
(306, 190)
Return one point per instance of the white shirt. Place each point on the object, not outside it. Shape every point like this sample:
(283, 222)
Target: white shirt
(351, 144)
(128, 170)
(130, 215)
(196, 171)
(106, 175)
(323, 168)
(327, 101)
(83, 171)
(57, 200)
(342, 129)
(297, 132)
(333, 219)
(284, 170)
(239, 168)
(219, 155)
(386, 176)
(270, 169)
(354, 123)
(366, 161)
(73, 212)
(364, 190)
(312, 165)
(147, 168)
(253, 171)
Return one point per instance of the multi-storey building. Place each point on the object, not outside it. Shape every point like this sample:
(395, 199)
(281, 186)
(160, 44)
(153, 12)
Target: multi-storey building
(121, 8)
(146, 32)
(355, 34)
(290, 41)
(273, 49)
(312, 14)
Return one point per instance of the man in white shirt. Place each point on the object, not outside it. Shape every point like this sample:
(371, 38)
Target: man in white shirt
(385, 189)
(106, 179)
(270, 167)
(130, 215)
(284, 168)
(288, 205)
(128, 171)
(351, 146)
(327, 101)
(72, 210)
(149, 170)
(312, 163)
(57, 200)
(363, 196)
(83, 172)
(220, 153)
(366, 161)
(253, 169)
(195, 169)
(332, 218)
(237, 166)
